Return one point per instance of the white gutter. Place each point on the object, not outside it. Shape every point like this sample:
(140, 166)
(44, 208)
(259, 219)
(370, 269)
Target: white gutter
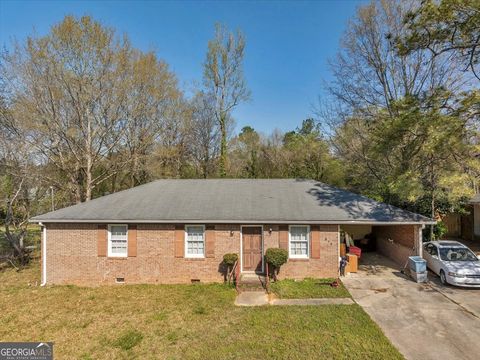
(242, 222)
(44, 255)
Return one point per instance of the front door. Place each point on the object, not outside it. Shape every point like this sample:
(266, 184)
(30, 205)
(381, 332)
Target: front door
(252, 248)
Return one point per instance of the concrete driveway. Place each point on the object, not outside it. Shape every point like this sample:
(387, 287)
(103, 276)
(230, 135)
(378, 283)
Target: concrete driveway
(424, 321)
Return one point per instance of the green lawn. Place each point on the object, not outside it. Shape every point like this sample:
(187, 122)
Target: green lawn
(308, 288)
(179, 322)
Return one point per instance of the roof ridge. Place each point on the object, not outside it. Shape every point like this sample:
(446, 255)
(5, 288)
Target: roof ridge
(228, 179)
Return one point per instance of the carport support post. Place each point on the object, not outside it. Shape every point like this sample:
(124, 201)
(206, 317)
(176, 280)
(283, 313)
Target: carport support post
(419, 240)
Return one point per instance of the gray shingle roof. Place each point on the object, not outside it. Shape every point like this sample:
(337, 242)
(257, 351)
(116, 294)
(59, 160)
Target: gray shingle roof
(234, 201)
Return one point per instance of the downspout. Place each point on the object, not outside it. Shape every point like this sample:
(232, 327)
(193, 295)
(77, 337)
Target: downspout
(44, 254)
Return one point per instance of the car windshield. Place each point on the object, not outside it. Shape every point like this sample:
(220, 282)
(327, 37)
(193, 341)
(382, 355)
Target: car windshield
(457, 254)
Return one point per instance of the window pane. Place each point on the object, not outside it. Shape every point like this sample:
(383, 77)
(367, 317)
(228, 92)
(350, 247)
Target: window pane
(299, 240)
(118, 239)
(119, 248)
(118, 230)
(195, 240)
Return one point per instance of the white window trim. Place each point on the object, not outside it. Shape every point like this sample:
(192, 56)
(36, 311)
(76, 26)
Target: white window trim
(290, 255)
(110, 241)
(193, 256)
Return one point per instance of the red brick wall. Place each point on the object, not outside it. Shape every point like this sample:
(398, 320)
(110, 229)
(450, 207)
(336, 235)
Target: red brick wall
(325, 266)
(72, 256)
(403, 240)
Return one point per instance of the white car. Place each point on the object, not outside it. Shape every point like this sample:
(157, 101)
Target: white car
(455, 263)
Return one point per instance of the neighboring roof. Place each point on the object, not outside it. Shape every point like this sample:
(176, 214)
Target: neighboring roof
(475, 199)
(233, 201)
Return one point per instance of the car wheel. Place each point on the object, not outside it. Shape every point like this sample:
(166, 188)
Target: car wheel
(443, 278)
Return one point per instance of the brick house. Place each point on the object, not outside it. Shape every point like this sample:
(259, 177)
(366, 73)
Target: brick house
(177, 231)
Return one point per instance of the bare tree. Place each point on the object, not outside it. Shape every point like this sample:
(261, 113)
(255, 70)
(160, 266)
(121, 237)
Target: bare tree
(446, 26)
(205, 134)
(171, 158)
(368, 71)
(392, 113)
(151, 102)
(224, 81)
(20, 188)
(90, 104)
(66, 93)
(370, 76)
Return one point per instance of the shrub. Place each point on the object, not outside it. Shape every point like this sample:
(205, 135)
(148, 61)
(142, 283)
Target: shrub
(439, 229)
(276, 257)
(229, 259)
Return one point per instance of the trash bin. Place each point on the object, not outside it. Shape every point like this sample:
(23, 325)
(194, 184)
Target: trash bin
(417, 264)
(352, 265)
(419, 277)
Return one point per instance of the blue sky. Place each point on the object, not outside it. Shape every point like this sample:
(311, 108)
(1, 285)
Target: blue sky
(288, 43)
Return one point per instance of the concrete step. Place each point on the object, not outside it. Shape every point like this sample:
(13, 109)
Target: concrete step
(252, 298)
(250, 287)
(252, 277)
(251, 282)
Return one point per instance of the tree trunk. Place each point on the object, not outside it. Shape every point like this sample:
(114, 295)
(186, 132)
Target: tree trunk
(76, 184)
(223, 147)
(433, 216)
(88, 190)
(133, 180)
(205, 169)
(15, 239)
(432, 203)
(89, 178)
(274, 273)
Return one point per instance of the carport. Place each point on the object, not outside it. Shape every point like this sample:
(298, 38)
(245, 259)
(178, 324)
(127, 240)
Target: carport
(396, 241)
(374, 226)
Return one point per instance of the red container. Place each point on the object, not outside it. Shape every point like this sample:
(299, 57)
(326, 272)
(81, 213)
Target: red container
(355, 251)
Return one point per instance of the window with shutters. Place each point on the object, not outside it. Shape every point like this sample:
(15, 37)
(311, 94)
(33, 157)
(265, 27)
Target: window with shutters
(299, 241)
(117, 240)
(195, 241)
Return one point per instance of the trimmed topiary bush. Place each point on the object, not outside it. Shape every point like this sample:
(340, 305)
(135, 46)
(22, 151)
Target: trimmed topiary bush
(276, 257)
(229, 259)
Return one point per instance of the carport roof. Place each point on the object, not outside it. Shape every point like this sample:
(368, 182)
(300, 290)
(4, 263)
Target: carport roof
(244, 201)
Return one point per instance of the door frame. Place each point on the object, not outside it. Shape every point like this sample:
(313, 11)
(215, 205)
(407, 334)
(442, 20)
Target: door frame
(241, 248)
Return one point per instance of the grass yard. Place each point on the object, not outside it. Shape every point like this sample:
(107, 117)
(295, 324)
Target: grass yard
(308, 288)
(179, 322)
